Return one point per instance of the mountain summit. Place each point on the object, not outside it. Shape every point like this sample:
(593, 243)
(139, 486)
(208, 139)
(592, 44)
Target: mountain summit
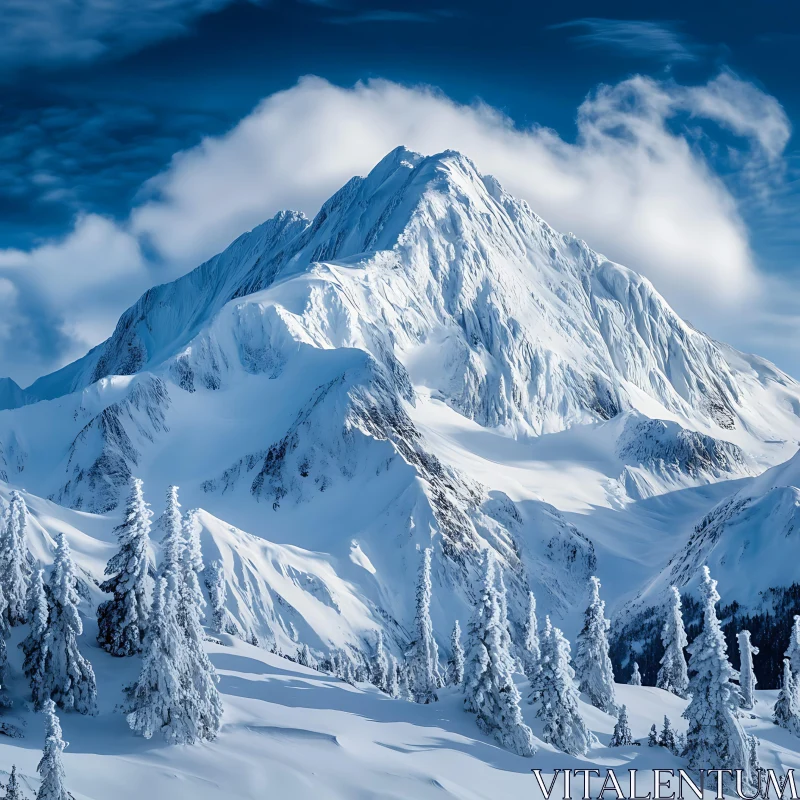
(530, 327)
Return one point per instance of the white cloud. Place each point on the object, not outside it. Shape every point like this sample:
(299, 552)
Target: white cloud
(59, 31)
(97, 251)
(743, 108)
(66, 296)
(632, 187)
(633, 184)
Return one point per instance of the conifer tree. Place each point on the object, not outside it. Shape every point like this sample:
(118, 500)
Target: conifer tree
(13, 791)
(157, 702)
(755, 764)
(636, 676)
(502, 598)
(207, 714)
(305, 658)
(172, 544)
(715, 739)
(33, 645)
(622, 732)
(51, 767)
(455, 664)
(192, 600)
(747, 676)
(489, 689)
(667, 736)
(362, 671)
(346, 662)
(423, 659)
(564, 727)
(4, 631)
(786, 712)
(221, 619)
(393, 686)
(15, 569)
(673, 675)
(68, 677)
(380, 664)
(122, 620)
(593, 665)
(404, 690)
(793, 653)
(531, 650)
(176, 693)
(652, 737)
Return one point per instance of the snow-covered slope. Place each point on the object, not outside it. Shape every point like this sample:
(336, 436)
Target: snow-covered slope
(747, 539)
(291, 732)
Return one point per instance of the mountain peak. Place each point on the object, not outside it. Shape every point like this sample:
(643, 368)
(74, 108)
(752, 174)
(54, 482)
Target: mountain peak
(542, 333)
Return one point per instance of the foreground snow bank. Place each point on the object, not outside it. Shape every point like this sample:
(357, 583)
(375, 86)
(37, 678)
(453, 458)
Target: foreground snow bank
(291, 732)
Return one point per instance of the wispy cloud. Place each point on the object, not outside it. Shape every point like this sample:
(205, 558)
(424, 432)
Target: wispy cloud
(633, 37)
(52, 32)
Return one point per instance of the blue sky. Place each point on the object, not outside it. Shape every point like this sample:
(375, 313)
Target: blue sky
(108, 116)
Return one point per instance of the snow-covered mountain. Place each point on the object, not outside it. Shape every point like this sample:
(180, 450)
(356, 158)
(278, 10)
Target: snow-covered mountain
(426, 361)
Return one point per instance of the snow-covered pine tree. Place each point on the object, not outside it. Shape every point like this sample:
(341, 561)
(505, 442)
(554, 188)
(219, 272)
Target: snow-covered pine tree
(33, 645)
(531, 650)
(455, 664)
(715, 739)
(673, 675)
(4, 631)
(51, 767)
(122, 620)
(68, 676)
(747, 677)
(393, 687)
(793, 654)
(172, 544)
(192, 567)
(508, 640)
(380, 664)
(361, 672)
(305, 658)
(329, 664)
(403, 689)
(652, 737)
(221, 619)
(489, 689)
(477, 658)
(423, 660)
(207, 715)
(636, 676)
(564, 727)
(593, 665)
(755, 764)
(667, 736)
(15, 569)
(13, 791)
(349, 670)
(786, 712)
(622, 731)
(157, 701)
